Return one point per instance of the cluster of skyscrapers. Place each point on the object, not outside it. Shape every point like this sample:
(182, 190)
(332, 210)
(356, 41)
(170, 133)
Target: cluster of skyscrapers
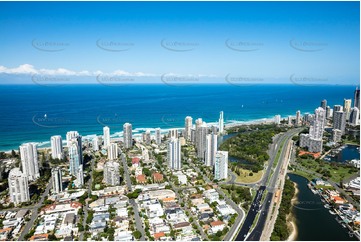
(205, 140)
(313, 140)
(339, 115)
(19, 179)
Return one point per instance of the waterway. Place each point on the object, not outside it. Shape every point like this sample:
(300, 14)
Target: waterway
(222, 139)
(313, 221)
(350, 152)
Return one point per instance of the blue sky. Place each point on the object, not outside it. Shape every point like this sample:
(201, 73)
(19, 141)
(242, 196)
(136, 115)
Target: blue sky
(242, 41)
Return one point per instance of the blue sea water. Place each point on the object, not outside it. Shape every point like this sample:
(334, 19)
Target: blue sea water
(34, 113)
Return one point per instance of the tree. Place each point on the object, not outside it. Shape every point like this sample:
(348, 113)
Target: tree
(137, 234)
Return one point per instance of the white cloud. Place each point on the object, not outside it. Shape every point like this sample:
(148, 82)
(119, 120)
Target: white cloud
(28, 69)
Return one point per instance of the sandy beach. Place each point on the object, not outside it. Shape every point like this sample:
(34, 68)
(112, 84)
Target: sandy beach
(291, 219)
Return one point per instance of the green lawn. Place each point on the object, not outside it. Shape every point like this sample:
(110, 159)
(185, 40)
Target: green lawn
(334, 170)
(244, 176)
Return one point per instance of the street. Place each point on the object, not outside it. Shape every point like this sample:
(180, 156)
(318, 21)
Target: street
(34, 213)
(138, 221)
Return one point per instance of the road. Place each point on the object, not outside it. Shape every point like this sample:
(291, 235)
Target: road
(90, 182)
(263, 213)
(266, 184)
(256, 185)
(180, 201)
(229, 236)
(251, 215)
(138, 221)
(275, 203)
(34, 213)
(126, 172)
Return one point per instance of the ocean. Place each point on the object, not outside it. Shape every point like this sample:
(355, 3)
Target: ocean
(33, 113)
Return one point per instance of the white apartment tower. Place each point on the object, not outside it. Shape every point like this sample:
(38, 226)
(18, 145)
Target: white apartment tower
(127, 135)
(95, 143)
(80, 176)
(56, 147)
(56, 179)
(18, 186)
(74, 161)
(201, 140)
(316, 129)
(29, 160)
(298, 118)
(188, 128)
(221, 165)
(313, 140)
(158, 136)
(106, 136)
(277, 119)
(347, 107)
(211, 149)
(112, 151)
(111, 173)
(174, 154)
(70, 135)
(221, 123)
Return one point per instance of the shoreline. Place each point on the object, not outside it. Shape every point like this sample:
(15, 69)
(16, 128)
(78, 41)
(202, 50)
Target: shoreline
(137, 132)
(291, 218)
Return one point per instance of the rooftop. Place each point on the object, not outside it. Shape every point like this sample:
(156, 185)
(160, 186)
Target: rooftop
(141, 178)
(216, 223)
(159, 235)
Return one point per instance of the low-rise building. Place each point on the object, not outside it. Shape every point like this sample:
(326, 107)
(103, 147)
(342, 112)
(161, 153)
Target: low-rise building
(123, 236)
(135, 162)
(5, 234)
(161, 194)
(217, 226)
(157, 177)
(62, 208)
(159, 236)
(39, 237)
(141, 179)
(212, 195)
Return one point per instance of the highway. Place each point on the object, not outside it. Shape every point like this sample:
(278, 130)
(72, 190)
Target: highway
(253, 211)
(270, 176)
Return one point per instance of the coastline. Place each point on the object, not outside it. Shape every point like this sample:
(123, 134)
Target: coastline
(137, 132)
(291, 219)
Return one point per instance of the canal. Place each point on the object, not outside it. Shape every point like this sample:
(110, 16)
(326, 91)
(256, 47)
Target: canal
(350, 152)
(313, 220)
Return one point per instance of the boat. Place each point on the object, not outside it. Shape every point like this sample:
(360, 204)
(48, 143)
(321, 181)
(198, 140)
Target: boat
(332, 212)
(357, 234)
(343, 225)
(327, 206)
(314, 191)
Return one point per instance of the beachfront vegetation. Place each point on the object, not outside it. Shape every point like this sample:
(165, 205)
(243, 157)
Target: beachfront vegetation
(252, 145)
(281, 231)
